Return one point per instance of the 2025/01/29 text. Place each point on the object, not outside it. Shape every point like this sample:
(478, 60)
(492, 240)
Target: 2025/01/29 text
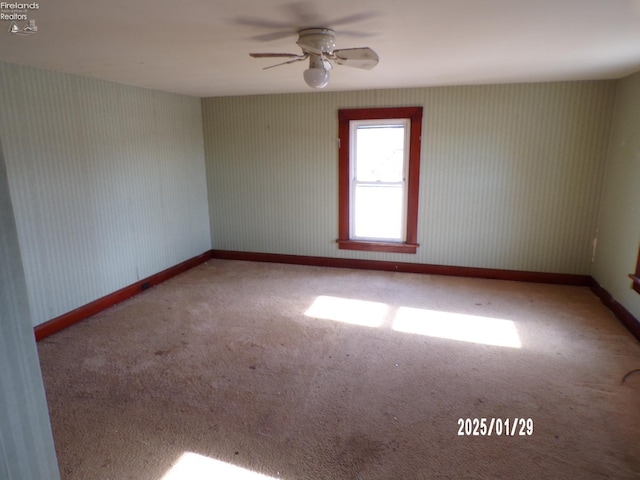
(486, 427)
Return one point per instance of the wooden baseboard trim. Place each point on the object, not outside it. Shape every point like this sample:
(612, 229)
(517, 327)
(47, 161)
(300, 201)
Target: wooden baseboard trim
(63, 321)
(495, 274)
(625, 317)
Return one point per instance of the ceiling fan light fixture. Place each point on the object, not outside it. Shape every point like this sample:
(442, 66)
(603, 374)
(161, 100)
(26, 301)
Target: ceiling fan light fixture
(317, 75)
(317, 45)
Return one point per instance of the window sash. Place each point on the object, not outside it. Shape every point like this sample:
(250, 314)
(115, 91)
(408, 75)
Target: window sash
(378, 216)
(359, 229)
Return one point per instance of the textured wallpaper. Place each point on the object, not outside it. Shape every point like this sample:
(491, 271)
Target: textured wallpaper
(619, 221)
(107, 181)
(26, 441)
(510, 174)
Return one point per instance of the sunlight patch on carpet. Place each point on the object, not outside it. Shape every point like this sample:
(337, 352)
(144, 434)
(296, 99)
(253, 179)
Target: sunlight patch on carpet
(457, 326)
(191, 466)
(347, 310)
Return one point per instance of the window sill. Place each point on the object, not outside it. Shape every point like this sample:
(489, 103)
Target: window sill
(636, 282)
(377, 246)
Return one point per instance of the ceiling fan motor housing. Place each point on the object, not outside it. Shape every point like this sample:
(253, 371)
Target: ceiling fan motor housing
(317, 40)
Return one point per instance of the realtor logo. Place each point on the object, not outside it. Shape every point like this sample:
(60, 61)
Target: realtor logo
(18, 15)
(28, 29)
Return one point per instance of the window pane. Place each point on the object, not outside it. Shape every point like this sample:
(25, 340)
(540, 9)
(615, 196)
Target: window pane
(380, 153)
(378, 212)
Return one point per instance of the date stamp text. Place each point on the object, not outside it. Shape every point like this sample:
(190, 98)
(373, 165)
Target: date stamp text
(487, 427)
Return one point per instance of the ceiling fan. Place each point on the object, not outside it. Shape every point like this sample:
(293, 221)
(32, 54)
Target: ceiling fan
(317, 45)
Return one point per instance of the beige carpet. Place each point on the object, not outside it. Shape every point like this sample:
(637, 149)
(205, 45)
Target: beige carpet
(240, 370)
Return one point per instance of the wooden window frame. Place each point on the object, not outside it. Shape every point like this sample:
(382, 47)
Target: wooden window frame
(636, 276)
(410, 244)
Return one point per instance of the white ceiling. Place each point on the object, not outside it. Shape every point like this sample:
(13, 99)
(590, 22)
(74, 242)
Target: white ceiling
(201, 47)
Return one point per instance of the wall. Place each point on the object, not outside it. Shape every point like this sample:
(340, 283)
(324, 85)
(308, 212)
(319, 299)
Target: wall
(26, 442)
(619, 220)
(107, 180)
(510, 174)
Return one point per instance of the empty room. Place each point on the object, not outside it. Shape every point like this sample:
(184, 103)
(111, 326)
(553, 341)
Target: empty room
(320, 240)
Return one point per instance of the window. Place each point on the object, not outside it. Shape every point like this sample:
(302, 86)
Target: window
(636, 277)
(379, 169)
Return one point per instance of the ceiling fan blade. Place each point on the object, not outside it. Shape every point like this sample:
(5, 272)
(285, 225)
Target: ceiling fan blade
(299, 59)
(306, 15)
(268, 37)
(282, 29)
(272, 55)
(364, 57)
(261, 22)
(355, 34)
(357, 17)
